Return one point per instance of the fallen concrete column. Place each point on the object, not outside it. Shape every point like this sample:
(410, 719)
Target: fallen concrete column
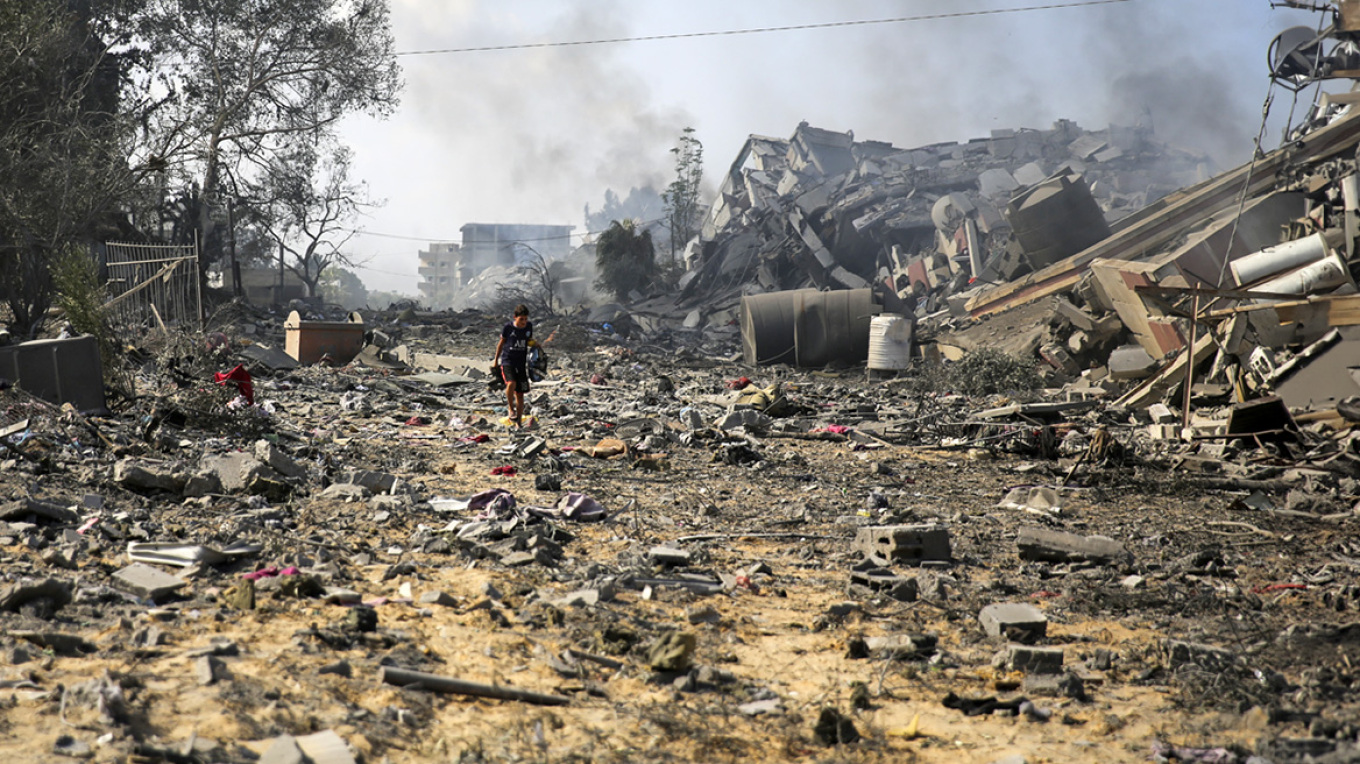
(419, 680)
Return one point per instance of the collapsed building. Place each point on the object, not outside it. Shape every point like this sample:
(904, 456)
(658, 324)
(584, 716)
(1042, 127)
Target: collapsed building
(1135, 265)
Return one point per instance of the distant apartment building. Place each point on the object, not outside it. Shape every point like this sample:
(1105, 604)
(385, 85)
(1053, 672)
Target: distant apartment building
(439, 274)
(446, 267)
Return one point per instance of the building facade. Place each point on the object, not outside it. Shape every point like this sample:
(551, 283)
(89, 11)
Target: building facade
(439, 273)
(446, 267)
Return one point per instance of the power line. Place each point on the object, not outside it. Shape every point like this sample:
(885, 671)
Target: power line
(436, 240)
(763, 30)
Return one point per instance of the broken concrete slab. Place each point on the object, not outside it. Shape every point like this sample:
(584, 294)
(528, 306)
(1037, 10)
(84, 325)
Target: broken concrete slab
(55, 592)
(268, 357)
(148, 583)
(20, 509)
(1044, 545)
(148, 476)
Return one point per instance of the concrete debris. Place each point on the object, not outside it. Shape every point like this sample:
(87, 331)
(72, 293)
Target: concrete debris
(1014, 620)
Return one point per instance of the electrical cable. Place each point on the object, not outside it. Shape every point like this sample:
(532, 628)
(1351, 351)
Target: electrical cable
(764, 30)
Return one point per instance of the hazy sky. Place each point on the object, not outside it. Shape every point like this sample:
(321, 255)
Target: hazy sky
(534, 135)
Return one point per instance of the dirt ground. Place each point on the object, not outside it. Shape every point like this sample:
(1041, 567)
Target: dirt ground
(1274, 592)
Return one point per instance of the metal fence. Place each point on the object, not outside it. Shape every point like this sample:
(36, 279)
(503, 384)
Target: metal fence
(155, 286)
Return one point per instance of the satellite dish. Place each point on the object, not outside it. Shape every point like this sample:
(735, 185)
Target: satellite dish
(1296, 55)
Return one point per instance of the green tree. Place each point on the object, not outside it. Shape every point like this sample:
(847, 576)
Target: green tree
(625, 259)
(344, 288)
(240, 80)
(63, 165)
(682, 195)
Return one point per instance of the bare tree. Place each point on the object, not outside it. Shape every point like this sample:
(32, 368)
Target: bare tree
(308, 205)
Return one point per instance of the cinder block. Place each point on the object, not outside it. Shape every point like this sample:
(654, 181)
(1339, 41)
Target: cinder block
(911, 544)
(1034, 660)
(1014, 619)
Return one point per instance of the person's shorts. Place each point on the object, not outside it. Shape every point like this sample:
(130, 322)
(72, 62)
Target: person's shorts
(519, 375)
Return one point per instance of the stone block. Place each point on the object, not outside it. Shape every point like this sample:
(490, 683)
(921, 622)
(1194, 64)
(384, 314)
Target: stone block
(668, 556)
(1034, 660)
(1016, 620)
(1160, 413)
(377, 482)
(1131, 362)
(911, 544)
(346, 492)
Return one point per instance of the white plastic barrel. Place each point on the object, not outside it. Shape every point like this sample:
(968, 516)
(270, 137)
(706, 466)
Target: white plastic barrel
(889, 342)
(1279, 258)
(1327, 273)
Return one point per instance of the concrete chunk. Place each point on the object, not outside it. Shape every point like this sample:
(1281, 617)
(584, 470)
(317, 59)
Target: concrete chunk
(1131, 362)
(911, 544)
(377, 482)
(132, 474)
(325, 747)
(1015, 620)
(749, 419)
(57, 592)
(284, 750)
(147, 582)
(668, 556)
(1205, 657)
(1044, 545)
(903, 647)
(235, 471)
(277, 460)
(1034, 660)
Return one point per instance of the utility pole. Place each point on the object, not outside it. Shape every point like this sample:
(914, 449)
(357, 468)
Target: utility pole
(231, 241)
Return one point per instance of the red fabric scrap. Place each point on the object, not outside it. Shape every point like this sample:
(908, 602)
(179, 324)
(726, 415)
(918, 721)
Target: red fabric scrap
(508, 470)
(1276, 588)
(739, 384)
(241, 378)
(417, 421)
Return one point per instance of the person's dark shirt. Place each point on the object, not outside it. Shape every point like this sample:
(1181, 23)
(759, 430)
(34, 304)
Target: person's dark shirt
(516, 350)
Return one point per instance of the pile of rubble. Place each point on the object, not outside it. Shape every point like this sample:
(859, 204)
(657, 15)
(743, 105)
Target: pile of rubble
(262, 559)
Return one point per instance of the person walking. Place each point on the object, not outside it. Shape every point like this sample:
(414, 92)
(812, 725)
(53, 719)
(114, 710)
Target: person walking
(512, 354)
